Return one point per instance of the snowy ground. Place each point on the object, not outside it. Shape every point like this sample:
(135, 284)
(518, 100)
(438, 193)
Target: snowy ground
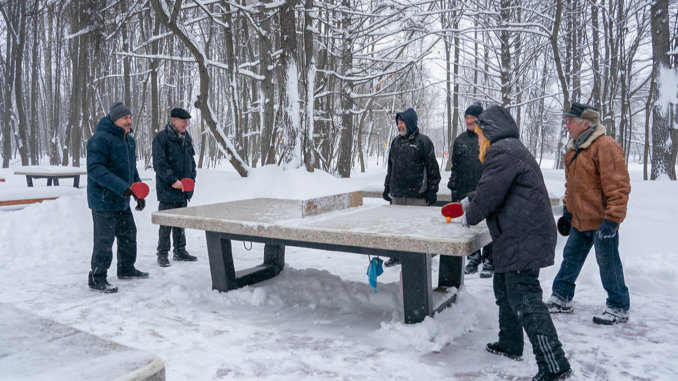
(319, 319)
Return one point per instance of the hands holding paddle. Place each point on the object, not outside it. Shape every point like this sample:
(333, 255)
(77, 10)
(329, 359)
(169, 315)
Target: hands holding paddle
(139, 191)
(456, 209)
(186, 184)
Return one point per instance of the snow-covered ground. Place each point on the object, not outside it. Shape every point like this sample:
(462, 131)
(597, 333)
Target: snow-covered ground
(319, 319)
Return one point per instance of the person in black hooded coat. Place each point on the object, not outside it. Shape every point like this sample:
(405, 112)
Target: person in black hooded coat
(512, 197)
(413, 174)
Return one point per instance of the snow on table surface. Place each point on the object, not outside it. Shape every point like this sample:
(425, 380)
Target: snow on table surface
(37, 170)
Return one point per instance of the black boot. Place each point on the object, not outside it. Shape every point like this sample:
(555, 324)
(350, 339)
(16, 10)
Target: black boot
(393, 261)
(163, 261)
(497, 349)
(473, 262)
(548, 376)
(182, 255)
(132, 274)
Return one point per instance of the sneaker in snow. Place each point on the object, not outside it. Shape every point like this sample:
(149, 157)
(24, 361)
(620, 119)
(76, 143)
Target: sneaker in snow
(103, 287)
(487, 271)
(497, 349)
(557, 305)
(611, 316)
(548, 376)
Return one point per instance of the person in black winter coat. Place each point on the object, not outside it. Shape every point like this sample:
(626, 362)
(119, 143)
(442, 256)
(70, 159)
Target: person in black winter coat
(512, 197)
(111, 170)
(412, 175)
(172, 161)
(464, 176)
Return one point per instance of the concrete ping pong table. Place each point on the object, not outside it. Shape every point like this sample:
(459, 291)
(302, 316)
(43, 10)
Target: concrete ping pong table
(336, 223)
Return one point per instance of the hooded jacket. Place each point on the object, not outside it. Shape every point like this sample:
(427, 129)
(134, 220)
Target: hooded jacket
(172, 160)
(512, 197)
(412, 166)
(597, 184)
(111, 167)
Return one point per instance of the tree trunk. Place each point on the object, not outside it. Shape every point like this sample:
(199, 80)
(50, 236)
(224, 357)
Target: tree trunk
(346, 141)
(661, 149)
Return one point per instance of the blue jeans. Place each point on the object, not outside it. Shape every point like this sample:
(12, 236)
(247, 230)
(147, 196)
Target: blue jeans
(607, 255)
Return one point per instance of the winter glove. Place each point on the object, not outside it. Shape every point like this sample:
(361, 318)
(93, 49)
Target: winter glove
(385, 195)
(608, 229)
(141, 204)
(128, 193)
(431, 198)
(565, 223)
(464, 204)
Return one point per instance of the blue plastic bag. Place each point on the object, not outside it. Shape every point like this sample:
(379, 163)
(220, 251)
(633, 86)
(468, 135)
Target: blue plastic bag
(374, 269)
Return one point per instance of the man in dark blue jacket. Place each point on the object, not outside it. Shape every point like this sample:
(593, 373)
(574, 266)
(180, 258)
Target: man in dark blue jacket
(111, 169)
(173, 160)
(512, 197)
(412, 175)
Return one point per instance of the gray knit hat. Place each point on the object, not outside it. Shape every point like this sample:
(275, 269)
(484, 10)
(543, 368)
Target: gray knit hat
(118, 110)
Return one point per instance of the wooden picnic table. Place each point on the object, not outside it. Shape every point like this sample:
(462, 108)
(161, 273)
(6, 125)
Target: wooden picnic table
(412, 233)
(52, 174)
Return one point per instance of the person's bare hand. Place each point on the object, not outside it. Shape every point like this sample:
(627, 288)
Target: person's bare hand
(178, 185)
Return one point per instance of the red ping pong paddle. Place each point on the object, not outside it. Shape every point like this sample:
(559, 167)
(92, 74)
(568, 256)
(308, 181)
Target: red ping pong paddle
(188, 184)
(140, 190)
(452, 210)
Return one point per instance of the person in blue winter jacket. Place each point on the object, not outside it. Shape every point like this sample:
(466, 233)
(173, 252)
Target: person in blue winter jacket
(111, 170)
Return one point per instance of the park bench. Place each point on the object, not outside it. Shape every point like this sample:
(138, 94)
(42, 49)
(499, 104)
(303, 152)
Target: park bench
(52, 174)
(35, 348)
(16, 198)
(335, 223)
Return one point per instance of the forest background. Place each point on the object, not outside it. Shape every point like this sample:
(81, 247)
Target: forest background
(317, 83)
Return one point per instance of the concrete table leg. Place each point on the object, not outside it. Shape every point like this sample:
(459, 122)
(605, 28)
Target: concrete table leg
(417, 293)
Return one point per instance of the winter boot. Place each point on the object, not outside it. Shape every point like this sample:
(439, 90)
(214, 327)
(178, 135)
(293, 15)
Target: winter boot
(182, 255)
(488, 270)
(611, 316)
(548, 376)
(558, 305)
(497, 349)
(102, 286)
(163, 261)
(473, 262)
(132, 274)
(393, 261)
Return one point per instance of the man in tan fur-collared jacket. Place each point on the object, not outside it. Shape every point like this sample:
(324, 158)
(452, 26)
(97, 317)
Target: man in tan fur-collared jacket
(597, 191)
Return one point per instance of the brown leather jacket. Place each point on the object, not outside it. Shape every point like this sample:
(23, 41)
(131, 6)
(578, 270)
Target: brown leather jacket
(597, 184)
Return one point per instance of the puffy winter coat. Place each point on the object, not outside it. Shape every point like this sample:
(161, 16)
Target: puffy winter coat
(111, 167)
(172, 160)
(512, 196)
(597, 184)
(466, 167)
(412, 166)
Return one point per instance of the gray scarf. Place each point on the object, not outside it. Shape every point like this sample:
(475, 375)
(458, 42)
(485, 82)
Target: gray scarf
(584, 136)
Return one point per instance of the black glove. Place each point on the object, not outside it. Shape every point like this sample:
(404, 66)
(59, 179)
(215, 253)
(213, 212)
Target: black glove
(431, 198)
(565, 223)
(141, 204)
(128, 193)
(385, 195)
(608, 229)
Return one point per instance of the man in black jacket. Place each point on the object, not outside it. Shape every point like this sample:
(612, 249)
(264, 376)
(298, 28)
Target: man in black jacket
(172, 161)
(464, 176)
(512, 197)
(413, 174)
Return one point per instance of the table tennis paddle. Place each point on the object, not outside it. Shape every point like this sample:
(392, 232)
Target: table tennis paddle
(140, 190)
(452, 210)
(188, 184)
